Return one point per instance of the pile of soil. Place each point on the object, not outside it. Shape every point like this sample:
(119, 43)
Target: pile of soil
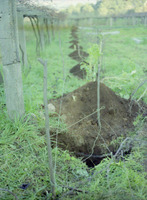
(79, 113)
(75, 46)
(74, 41)
(76, 71)
(78, 55)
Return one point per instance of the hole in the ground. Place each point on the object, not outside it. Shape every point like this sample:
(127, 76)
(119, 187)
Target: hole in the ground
(94, 160)
(91, 160)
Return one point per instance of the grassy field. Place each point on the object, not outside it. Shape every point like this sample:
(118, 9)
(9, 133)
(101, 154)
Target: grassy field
(23, 154)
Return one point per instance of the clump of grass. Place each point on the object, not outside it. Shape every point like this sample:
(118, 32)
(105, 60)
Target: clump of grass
(24, 160)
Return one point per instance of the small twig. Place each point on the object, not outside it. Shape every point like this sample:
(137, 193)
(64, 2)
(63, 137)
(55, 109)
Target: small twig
(72, 190)
(131, 99)
(6, 190)
(66, 194)
(121, 146)
(94, 156)
(142, 95)
(138, 88)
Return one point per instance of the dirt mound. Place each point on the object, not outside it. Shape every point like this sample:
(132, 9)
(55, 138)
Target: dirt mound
(76, 55)
(77, 71)
(75, 46)
(74, 41)
(74, 35)
(79, 113)
(74, 28)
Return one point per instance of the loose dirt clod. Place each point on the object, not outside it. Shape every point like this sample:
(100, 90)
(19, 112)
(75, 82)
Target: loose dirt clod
(79, 113)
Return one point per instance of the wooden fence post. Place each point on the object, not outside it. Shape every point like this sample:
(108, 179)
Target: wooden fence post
(10, 59)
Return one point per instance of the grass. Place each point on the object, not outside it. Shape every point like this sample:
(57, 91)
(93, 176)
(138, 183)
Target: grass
(23, 153)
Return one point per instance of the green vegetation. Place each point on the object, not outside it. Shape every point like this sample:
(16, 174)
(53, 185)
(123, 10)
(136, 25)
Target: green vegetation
(109, 8)
(91, 66)
(23, 153)
(123, 60)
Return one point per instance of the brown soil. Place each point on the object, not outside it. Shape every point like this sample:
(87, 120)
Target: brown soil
(77, 71)
(74, 28)
(116, 120)
(74, 41)
(75, 55)
(73, 46)
(74, 35)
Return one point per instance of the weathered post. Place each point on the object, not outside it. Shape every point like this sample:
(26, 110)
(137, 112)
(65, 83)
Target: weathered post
(22, 39)
(10, 59)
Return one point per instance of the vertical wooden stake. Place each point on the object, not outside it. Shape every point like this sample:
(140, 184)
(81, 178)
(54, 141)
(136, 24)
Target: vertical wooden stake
(10, 59)
(51, 168)
(98, 84)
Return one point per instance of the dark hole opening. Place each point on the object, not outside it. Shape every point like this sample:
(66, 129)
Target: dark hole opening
(96, 159)
(93, 162)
